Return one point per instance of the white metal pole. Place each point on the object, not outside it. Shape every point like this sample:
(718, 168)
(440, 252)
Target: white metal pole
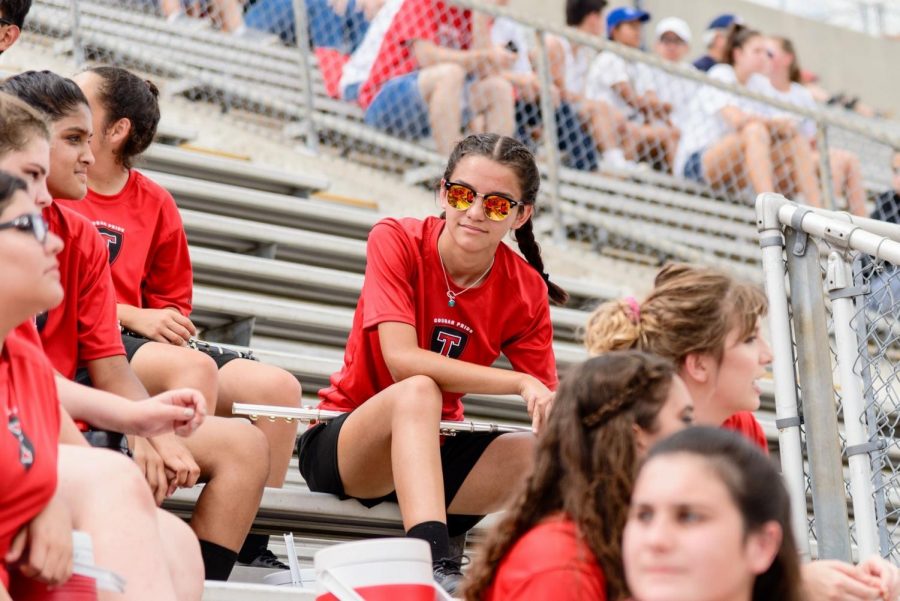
(839, 283)
(787, 416)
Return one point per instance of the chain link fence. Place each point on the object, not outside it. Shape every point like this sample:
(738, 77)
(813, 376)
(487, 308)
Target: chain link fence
(842, 313)
(643, 155)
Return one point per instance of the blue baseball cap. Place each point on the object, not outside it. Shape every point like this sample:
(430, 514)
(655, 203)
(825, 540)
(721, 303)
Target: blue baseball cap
(723, 21)
(624, 14)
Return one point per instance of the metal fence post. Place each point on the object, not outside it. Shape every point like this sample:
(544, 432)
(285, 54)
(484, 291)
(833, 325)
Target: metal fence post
(832, 523)
(828, 191)
(551, 143)
(842, 292)
(790, 448)
(77, 50)
(301, 26)
(876, 460)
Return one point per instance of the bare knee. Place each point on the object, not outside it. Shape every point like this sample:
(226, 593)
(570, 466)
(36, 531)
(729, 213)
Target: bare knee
(282, 388)
(447, 76)
(246, 449)
(417, 396)
(756, 132)
(112, 476)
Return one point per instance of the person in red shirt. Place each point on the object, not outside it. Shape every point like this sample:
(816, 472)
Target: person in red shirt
(231, 456)
(92, 490)
(441, 300)
(418, 71)
(560, 537)
(151, 270)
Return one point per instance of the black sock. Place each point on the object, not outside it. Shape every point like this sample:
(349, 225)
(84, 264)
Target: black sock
(253, 547)
(217, 560)
(435, 534)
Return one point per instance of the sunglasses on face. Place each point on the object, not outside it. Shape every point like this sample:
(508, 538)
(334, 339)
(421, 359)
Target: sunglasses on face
(32, 223)
(461, 197)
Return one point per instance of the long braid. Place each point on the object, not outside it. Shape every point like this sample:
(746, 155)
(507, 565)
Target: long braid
(531, 250)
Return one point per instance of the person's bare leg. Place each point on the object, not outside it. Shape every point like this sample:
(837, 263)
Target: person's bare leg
(847, 174)
(182, 552)
(245, 381)
(234, 462)
(170, 7)
(723, 164)
(161, 367)
(497, 476)
(392, 442)
(757, 147)
(605, 124)
(441, 87)
(494, 98)
(229, 14)
(799, 152)
(109, 499)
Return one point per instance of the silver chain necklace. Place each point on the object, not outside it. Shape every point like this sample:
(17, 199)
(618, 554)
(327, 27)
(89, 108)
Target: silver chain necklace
(451, 296)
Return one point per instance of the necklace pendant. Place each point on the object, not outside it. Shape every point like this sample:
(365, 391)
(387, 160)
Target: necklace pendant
(451, 303)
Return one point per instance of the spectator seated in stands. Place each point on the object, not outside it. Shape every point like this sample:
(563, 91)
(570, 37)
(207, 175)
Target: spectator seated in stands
(227, 15)
(336, 28)
(12, 20)
(846, 172)
(52, 482)
(577, 148)
(442, 299)
(884, 284)
(417, 74)
(672, 39)
(733, 142)
(569, 64)
(712, 504)
(82, 338)
(708, 325)
(560, 539)
(152, 272)
(645, 125)
(715, 37)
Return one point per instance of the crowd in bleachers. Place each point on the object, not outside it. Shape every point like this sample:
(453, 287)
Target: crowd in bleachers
(424, 69)
(96, 334)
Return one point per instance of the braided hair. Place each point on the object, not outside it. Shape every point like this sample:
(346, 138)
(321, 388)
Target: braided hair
(586, 462)
(511, 153)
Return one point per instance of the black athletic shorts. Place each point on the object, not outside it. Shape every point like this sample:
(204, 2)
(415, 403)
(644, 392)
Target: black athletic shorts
(222, 356)
(317, 449)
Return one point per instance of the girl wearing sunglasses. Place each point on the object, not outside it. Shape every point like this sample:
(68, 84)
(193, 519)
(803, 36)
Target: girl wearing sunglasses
(561, 537)
(441, 300)
(708, 324)
(231, 456)
(153, 278)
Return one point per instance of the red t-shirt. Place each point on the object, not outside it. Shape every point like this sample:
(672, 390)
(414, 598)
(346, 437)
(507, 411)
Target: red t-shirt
(28, 392)
(148, 250)
(508, 313)
(84, 326)
(550, 561)
(428, 20)
(746, 423)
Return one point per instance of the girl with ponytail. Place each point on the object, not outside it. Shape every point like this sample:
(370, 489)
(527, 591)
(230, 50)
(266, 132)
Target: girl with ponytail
(441, 300)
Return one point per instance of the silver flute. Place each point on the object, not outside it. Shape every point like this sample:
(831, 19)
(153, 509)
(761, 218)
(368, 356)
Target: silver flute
(311, 414)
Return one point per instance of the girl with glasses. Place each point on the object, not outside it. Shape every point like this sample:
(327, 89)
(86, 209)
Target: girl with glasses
(441, 300)
(49, 488)
(232, 457)
(153, 278)
(560, 539)
(708, 324)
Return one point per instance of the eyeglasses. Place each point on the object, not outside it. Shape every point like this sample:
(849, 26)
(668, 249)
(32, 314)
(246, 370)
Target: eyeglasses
(31, 222)
(496, 207)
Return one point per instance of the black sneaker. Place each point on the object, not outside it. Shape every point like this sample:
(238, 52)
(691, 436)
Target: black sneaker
(448, 573)
(266, 559)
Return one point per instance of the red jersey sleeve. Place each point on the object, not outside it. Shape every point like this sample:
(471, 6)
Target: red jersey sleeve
(532, 351)
(169, 280)
(391, 264)
(746, 423)
(98, 326)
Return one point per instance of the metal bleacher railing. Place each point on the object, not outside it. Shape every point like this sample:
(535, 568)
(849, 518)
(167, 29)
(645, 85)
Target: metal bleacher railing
(615, 173)
(836, 341)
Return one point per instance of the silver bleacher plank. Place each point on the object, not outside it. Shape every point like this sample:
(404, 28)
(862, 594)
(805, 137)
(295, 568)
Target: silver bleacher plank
(258, 205)
(252, 175)
(174, 133)
(234, 591)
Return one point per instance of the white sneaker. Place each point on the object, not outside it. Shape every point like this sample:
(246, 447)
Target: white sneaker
(615, 160)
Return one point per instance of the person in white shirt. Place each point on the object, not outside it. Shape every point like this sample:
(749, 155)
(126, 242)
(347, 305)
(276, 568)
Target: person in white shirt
(784, 76)
(647, 133)
(672, 43)
(733, 141)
